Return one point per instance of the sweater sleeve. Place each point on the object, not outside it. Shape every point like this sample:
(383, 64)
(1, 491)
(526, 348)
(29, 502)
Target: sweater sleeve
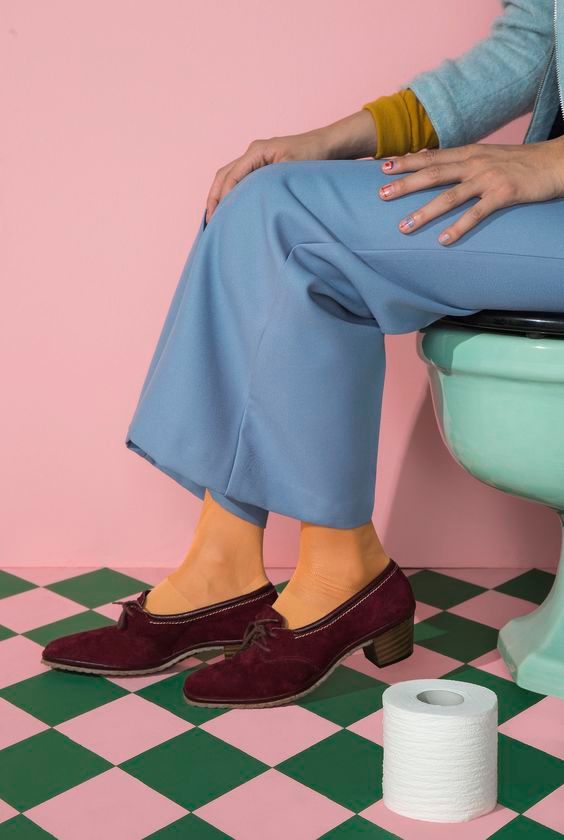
(495, 81)
(402, 124)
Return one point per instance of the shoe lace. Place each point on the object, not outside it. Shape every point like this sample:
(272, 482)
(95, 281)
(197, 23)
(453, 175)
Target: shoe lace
(127, 609)
(256, 633)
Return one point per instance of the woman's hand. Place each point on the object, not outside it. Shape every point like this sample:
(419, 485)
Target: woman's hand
(350, 137)
(497, 175)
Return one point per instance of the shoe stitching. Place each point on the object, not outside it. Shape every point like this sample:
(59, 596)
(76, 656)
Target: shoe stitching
(213, 612)
(299, 635)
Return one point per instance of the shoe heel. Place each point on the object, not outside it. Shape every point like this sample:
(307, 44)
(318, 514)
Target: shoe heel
(391, 646)
(230, 650)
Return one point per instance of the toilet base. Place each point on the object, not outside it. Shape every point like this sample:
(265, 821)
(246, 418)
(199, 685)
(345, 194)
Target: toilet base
(532, 646)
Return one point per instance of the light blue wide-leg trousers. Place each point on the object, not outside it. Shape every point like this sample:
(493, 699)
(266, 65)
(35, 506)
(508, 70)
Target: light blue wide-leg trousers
(266, 382)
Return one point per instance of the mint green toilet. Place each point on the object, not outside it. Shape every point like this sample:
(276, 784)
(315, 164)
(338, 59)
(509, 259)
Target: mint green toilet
(497, 384)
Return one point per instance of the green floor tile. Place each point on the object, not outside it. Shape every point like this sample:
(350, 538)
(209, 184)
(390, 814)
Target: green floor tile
(344, 767)
(43, 766)
(55, 696)
(87, 620)
(280, 587)
(93, 589)
(13, 585)
(345, 696)
(168, 694)
(20, 828)
(423, 631)
(459, 637)
(526, 775)
(522, 828)
(440, 590)
(358, 827)
(190, 827)
(511, 698)
(6, 633)
(194, 768)
(533, 585)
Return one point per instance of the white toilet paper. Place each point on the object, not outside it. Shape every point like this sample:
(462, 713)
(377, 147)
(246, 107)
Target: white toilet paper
(440, 750)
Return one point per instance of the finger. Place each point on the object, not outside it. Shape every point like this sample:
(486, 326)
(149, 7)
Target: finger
(215, 190)
(427, 157)
(434, 176)
(469, 220)
(236, 174)
(447, 200)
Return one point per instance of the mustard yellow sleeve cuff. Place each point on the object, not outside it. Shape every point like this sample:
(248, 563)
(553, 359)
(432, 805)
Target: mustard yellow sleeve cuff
(402, 124)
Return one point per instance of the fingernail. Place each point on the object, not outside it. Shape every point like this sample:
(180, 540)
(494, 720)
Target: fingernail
(407, 223)
(444, 237)
(386, 191)
(389, 164)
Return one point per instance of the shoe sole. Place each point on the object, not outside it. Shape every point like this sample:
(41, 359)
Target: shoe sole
(285, 700)
(135, 673)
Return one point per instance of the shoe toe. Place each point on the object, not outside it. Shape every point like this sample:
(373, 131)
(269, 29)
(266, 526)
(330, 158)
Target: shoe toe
(88, 648)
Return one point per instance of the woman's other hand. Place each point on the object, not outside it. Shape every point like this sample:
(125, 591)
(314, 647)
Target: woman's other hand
(497, 175)
(350, 137)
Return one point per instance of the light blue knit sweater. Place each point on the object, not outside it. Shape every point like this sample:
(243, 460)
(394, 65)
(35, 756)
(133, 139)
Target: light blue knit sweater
(518, 68)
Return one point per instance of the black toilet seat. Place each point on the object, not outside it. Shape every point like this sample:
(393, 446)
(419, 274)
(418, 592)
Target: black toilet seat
(532, 324)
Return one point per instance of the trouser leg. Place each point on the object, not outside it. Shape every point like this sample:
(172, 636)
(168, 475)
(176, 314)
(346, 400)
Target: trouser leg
(267, 381)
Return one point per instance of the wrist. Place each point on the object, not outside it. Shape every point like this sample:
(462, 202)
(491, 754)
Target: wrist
(349, 138)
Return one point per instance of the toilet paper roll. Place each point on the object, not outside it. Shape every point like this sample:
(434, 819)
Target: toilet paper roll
(440, 750)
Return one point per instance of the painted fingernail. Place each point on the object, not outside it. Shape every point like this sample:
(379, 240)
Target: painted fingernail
(389, 164)
(407, 223)
(444, 238)
(386, 191)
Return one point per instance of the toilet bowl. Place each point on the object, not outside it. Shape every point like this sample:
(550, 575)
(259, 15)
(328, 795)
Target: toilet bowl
(497, 385)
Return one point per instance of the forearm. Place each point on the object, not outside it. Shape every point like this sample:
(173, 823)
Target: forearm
(351, 137)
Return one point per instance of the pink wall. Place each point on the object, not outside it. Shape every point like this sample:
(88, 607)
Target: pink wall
(116, 115)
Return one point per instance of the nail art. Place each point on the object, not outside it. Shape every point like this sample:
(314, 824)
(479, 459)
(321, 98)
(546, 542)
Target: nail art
(386, 191)
(444, 237)
(407, 223)
(389, 164)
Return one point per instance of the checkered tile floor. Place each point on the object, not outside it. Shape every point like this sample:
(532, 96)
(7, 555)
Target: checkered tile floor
(86, 757)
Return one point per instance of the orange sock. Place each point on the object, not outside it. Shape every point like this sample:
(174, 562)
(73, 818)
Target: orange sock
(224, 561)
(333, 565)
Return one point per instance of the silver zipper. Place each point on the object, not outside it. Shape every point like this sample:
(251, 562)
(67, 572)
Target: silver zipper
(561, 99)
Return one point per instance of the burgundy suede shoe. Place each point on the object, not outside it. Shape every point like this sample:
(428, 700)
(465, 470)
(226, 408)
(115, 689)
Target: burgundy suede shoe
(143, 643)
(276, 665)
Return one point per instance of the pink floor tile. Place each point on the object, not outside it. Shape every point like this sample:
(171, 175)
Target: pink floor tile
(213, 659)
(6, 811)
(540, 726)
(273, 805)
(271, 735)
(137, 683)
(370, 727)
(422, 664)
(550, 811)
(44, 575)
(20, 658)
(17, 724)
(408, 829)
(113, 611)
(424, 611)
(124, 728)
(493, 664)
(111, 805)
(35, 608)
(493, 608)
(484, 577)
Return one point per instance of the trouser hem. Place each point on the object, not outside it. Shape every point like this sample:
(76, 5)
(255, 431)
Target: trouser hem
(269, 501)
